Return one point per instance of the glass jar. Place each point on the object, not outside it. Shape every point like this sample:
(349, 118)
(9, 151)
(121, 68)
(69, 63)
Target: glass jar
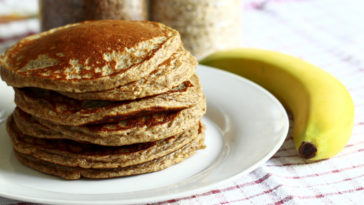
(54, 13)
(205, 25)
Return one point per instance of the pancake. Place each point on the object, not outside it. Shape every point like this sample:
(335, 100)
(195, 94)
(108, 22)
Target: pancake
(158, 164)
(89, 56)
(136, 130)
(171, 73)
(85, 155)
(63, 110)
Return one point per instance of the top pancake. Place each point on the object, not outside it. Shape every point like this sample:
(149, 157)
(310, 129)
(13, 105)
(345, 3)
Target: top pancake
(89, 56)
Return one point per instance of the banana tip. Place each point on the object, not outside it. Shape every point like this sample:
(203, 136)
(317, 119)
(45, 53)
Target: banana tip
(307, 150)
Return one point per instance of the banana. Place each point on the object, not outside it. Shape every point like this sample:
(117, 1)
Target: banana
(322, 107)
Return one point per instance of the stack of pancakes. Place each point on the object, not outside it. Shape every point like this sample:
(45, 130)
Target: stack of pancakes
(103, 99)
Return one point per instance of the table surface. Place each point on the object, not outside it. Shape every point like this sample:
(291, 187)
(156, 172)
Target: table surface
(327, 33)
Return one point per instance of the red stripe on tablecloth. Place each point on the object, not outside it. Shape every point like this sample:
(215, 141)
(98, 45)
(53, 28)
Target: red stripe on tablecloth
(356, 143)
(330, 183)
(282, 201)
(266, 186)
(349, 153)
(318, 196)
(213, 192)
(255, 5)
(331, 193)
(290, 197)
(288, 164)
(325, 184)
(260, 5)
(257, 195)
(322, 173)
(16, 37)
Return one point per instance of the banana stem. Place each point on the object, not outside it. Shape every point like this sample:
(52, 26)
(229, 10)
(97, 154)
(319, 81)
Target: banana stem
(307, 150)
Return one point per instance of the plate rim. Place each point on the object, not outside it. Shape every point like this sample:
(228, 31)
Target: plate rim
(197, 190)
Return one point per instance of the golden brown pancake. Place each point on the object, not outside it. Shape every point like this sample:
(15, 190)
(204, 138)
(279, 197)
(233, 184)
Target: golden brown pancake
(161, 163)
(52, 106)
(89, 56)
(135, 130)
(85, 155)
(77, 173)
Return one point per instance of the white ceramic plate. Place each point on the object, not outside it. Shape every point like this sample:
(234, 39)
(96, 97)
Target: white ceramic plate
(246, 125)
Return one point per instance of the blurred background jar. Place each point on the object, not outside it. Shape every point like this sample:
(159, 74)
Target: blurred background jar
(205, 25)
(54, 13)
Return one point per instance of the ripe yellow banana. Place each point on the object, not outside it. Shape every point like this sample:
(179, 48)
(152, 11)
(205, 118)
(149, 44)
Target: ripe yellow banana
(322, 107)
